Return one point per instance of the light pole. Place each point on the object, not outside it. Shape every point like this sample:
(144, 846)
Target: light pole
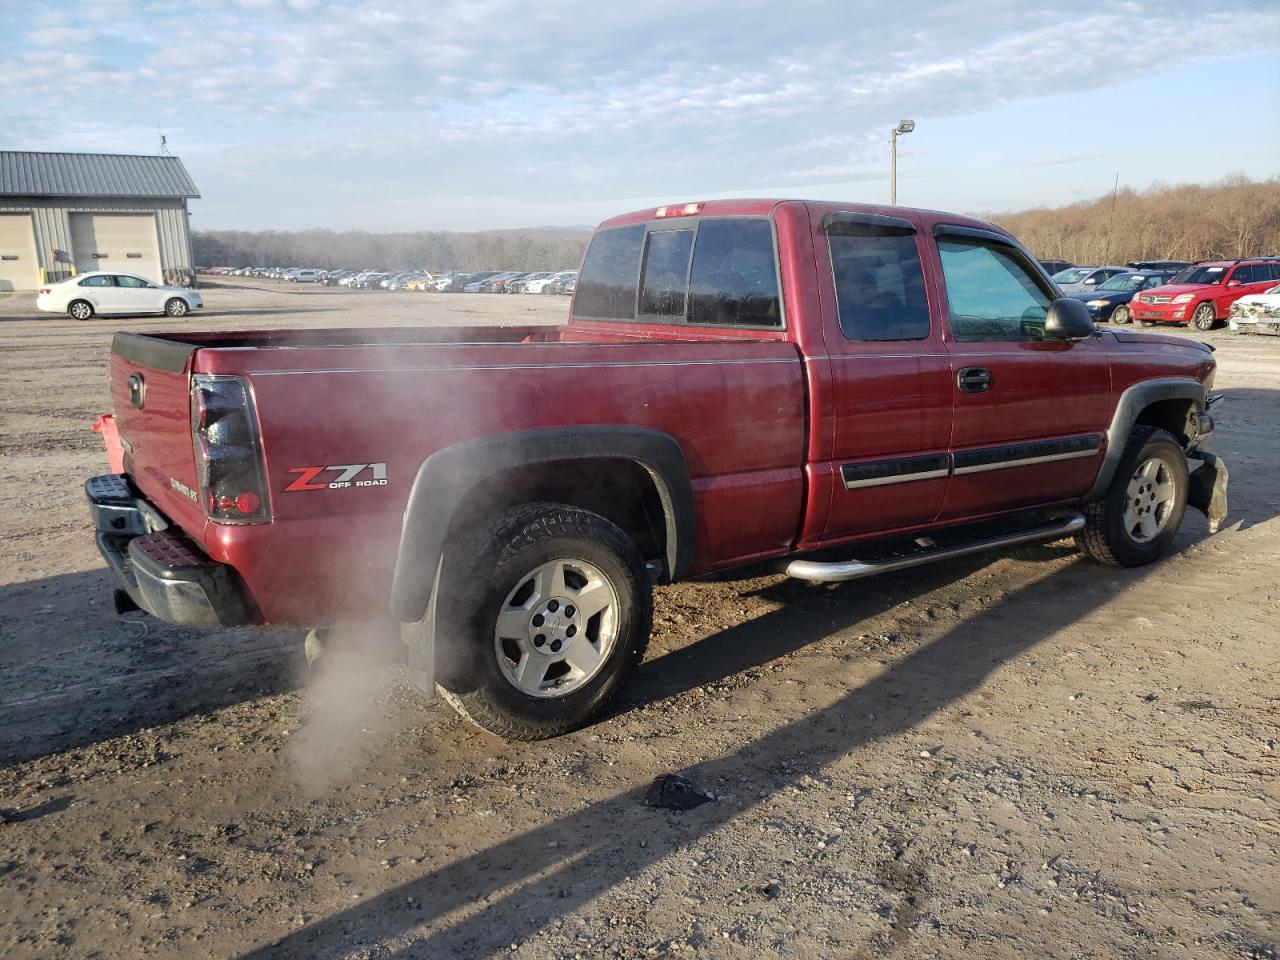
(906, 126)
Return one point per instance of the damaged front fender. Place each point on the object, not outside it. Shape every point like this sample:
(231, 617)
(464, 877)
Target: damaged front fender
(1208, 492)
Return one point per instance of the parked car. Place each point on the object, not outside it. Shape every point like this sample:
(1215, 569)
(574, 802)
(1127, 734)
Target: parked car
(476, 280)
(1084, 279)
(1056, 266)
(1110, 299)
(561, 283)
(1202, 294)
(510, 510)
(115, 294)
(1257, 313)
(305, 276)
(521, 285)
(498, 282)
(539, 283)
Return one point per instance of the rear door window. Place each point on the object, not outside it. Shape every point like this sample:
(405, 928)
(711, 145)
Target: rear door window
(879, 282)
(99, 281)
(607, 283)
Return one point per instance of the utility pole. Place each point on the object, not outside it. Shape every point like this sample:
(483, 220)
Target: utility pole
(906, 126)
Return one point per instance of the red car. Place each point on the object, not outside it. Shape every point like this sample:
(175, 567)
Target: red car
(1203, 293)
(738, 381)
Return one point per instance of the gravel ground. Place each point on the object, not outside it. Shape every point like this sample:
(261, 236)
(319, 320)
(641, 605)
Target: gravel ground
(1010, 755)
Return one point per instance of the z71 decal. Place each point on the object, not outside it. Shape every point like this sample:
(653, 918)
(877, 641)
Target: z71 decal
(310, 478)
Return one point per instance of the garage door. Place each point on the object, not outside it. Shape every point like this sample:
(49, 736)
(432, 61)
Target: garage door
(19, 269)
(125, 242)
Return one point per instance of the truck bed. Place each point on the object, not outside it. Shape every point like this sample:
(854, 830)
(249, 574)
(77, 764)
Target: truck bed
(390, 398)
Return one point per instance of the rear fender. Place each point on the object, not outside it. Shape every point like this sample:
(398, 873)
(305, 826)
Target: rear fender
(447, 476)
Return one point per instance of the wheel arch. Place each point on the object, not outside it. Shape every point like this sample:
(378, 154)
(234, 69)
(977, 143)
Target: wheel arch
(1168, 403)
(633, 473)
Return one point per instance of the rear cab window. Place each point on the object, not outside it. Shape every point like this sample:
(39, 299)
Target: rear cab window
(713, 271)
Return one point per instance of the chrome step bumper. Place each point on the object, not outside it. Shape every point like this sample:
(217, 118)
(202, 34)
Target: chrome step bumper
(817, 571)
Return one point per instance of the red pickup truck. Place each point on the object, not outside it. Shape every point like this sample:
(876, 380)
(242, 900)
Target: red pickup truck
(843, 389)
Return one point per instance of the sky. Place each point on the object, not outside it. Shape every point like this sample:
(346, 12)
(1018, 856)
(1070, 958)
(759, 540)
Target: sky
(479, 114)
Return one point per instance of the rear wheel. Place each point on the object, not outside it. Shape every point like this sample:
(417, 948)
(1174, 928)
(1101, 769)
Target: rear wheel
(80, 309)
(176, 307)
(1138, 517)
(544, 613)
(1121, 315)
(1204, 317)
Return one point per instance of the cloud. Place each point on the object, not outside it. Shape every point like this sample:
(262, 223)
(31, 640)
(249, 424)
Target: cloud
(568, 100)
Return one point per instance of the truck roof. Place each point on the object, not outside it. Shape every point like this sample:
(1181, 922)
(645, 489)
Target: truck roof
(763, 207)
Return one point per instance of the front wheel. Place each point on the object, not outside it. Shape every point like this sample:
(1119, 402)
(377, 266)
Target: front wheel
(543, 614)
(1138, 517)
(1120, 315)
(1204, 317)
(176, 307)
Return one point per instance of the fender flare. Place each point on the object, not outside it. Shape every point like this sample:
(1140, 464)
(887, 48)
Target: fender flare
(448, 475)
(1132, 402)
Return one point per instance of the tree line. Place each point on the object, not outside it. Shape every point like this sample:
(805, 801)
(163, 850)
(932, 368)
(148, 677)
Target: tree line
(1234, 217)
(434, 250)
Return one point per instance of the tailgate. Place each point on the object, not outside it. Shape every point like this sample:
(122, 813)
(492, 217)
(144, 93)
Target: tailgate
(150, 395)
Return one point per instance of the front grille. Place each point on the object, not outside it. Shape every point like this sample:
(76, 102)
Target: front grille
(1148, 298)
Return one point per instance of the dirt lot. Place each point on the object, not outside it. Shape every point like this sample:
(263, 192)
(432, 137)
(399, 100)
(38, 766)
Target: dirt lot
(1008, 756)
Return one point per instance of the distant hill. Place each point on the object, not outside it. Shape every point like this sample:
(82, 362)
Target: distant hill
(548, 248)
(1235, 217)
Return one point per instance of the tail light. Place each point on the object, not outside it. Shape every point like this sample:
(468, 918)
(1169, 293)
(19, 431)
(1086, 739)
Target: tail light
(46, 290)
(224, 432)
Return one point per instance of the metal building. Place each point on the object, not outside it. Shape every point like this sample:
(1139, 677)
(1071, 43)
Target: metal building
(68, 213)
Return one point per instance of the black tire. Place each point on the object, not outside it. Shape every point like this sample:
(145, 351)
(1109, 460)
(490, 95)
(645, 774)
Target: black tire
(176, 307)
(1121, 315)
(80, 310)
(1203, 317)
(480, 574)
(1107, 537)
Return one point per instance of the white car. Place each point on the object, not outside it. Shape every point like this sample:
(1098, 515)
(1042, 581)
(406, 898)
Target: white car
(115, 294)
(1257, 313)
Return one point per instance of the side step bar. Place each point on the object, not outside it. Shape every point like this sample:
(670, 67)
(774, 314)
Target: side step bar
(819, 572)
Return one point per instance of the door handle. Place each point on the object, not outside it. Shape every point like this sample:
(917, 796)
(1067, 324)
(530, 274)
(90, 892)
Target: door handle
(973, 379)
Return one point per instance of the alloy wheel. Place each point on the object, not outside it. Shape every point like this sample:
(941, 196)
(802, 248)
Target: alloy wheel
(557, 628)
(1149, 500)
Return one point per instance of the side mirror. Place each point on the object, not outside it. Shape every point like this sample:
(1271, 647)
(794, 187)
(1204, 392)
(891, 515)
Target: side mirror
(1090, 281)
(1233, 283)
(1068, 319)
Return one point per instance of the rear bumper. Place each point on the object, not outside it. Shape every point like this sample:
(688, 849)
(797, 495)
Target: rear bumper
(162, 572)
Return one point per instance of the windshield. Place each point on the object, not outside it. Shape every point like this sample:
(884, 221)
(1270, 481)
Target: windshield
(1205, 275)
(1070, 276)
(1124, 282)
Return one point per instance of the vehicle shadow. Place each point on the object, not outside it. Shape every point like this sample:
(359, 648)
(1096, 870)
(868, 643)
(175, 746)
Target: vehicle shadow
(536, 874)
(73, 672)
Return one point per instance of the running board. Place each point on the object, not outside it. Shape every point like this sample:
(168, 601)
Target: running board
(818, 572)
